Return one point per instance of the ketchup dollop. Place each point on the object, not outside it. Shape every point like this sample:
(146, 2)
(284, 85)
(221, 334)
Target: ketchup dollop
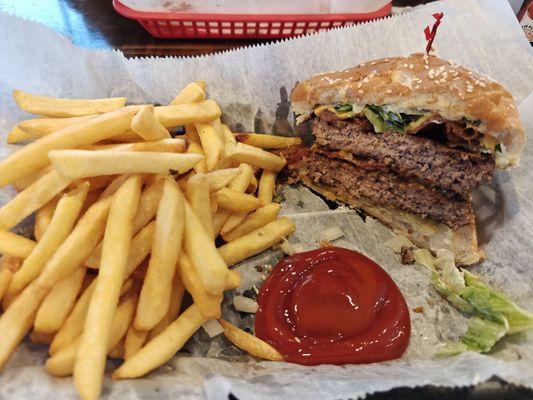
(332, 306)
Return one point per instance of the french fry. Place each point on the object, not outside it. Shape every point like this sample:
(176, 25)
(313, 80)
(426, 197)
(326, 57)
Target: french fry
(178, 290)
(43, 217)
(91, 355)
(39, 127)
(221, 178)
(6, 275)
(31, 199)
(135, 339)
(156, 290)
(147, 126)
(161, 349)
(212, 145)
(240, 183)
(183, 114)
(229, 137)
(126, 137)
(201, 83)
(58, 107)
(199, 198)
(207, 262)
(192, 93)
(208, 304)
(115, 184)
(252, 187)
(236, 201)
(267, 141)
(256, 241)
(61, 226)
(191, 134)
(35, 155)
(39, 337)
(29, 179)
(16, 321)
(58, 303)
(15, 245)
(62, 363)
(118, 351)
(217, 126)
(244, 153)
(234, 220)
(255, 220)
(195, 148)
(171, 145)
(99, 183)
(17, 134)
(147, 209)
(77, 164)
(234, 279)
(267, 185)
(250, 343)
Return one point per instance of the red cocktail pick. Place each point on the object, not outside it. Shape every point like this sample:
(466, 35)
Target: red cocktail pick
(430, 34)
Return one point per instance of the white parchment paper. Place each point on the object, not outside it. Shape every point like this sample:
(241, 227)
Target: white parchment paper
(252, 86)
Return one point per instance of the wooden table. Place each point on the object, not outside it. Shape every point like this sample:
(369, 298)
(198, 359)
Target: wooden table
(95, 24)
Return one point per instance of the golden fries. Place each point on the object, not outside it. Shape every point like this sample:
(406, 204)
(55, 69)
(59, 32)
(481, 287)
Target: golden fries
(200, 200)
(244, 153)
(35, 155)
(17, 134)
(176, 297)
(77, 164)
(267, 141)
(15, 245)
(183, 114)
(58, 303)
(192, 93)
(267, 186)
(161, 349)
(207, 262)
(91, 356)
(43, 217)
(208, 304)
(221, 178)
(195, 148)
(256, 241)
(170, 145)
(39, 127)
(135, 339)
(212, 144)
(29, 179)
(31, 199)
(147, 126)
(166, 245)
(57, 107)
(61, 225)
(255, 220)
(113, 259)
(250, 343)
(62, 363)
(236, 201)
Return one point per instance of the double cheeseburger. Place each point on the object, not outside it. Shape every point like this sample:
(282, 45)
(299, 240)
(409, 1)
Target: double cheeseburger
(407, 140)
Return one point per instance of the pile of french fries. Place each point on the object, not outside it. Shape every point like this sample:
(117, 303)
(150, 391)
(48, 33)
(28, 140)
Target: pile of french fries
(126, 218)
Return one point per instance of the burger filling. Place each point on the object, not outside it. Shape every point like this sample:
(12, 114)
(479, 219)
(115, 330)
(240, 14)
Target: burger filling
(419, 164)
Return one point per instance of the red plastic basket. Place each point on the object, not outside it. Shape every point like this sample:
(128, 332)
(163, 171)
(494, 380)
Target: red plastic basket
(240, 26)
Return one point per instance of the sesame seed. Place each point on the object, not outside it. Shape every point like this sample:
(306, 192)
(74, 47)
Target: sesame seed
(362, 64)
(442, 80)
(366, 80)
(426, 67)
(469, 89)
(373, 63)
(388, 91)
(405, 65)
(360, 91)
(359, 85)
(411, 66)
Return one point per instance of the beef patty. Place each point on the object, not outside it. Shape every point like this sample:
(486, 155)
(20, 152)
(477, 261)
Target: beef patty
(383, 188)
(413, 157)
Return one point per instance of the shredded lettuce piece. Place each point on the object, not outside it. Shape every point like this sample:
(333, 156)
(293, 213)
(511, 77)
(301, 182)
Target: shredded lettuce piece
(492, 314)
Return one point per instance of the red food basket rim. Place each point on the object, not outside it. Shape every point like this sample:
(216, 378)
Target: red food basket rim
(134, 14)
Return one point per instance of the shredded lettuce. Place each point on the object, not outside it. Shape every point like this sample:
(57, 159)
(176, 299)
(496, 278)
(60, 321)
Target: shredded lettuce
(492, 314)
(384, 119)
